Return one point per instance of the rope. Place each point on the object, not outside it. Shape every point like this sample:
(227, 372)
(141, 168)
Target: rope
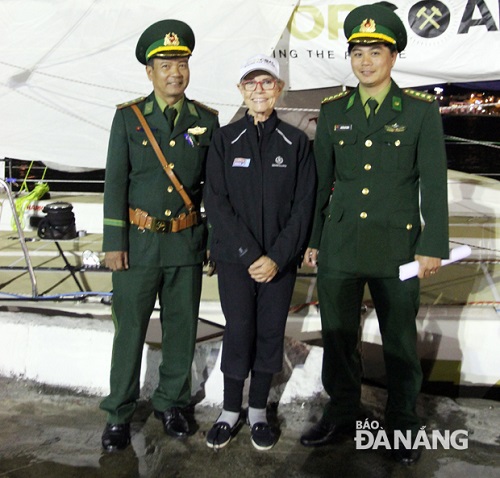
(491, 144)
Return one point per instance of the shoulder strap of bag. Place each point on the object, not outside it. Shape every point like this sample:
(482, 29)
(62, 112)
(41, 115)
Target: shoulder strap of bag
(178, 186)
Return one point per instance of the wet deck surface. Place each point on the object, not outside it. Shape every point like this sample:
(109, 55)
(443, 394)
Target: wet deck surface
(56, 433)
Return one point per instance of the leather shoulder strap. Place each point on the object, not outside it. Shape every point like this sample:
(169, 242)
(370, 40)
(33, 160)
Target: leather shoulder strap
(178, 186)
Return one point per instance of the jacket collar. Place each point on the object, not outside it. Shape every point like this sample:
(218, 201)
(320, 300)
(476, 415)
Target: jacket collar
(188, 115)
(391, 107)
(267, 126)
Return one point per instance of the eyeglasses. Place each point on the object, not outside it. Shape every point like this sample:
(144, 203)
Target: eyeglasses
(266, 85)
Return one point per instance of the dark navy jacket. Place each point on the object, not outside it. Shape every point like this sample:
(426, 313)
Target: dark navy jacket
(259, 193)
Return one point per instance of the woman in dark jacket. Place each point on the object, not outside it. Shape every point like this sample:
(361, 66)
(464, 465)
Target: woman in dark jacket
(259, 198)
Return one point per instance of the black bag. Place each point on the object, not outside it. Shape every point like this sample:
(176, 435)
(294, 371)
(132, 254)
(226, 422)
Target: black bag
(59, 223)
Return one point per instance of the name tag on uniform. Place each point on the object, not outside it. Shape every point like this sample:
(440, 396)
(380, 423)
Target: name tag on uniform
(342, 127)
(241, 162)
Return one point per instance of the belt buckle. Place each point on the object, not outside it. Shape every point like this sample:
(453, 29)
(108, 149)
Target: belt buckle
(158, 225)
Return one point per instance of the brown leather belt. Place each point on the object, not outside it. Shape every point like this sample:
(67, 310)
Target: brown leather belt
(143, 221)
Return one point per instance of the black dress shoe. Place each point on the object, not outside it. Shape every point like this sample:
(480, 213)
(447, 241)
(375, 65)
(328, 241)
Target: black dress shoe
(324, 433)
(174, 422)
(116, 436)
(407, 456)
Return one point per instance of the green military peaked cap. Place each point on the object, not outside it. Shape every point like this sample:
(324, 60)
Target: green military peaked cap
(165, 39)
(374, 24)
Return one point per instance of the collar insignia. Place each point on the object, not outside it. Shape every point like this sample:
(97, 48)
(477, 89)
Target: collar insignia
(148, 108)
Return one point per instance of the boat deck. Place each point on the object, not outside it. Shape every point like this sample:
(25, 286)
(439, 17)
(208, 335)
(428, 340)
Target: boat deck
(458, 322)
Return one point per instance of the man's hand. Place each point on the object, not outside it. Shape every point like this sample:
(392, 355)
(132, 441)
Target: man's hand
(116, 260)
(263, 269)
(428, 266)
(209, 263)
(310, 257)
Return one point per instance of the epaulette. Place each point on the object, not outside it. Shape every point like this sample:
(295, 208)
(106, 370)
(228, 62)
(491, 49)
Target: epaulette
(130, 103)
(205, 107)
(419, 95)
(335, 97)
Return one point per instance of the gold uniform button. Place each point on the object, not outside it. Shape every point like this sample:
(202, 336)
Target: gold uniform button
(145, 142)
(363, 215)
(170, 189)
(168, 212)
(409, 227)
(365, 191)
(397, 142)
(171, 165)
(341, 142)
(172, 143)
(368, 143)
(368, 166)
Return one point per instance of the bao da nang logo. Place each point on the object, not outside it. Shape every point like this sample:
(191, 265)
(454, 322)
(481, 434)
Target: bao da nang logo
(370, 435)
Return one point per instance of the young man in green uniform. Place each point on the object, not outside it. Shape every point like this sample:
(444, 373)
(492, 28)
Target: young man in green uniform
(386, 164)
(154, 244)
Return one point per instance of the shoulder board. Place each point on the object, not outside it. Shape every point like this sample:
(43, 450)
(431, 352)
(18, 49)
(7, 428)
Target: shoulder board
(130, 103)
(419, 95)
(205, 107)
(335, 97)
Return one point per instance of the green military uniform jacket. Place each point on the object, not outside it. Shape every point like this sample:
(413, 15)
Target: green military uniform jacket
(372, 224)
(136, 179)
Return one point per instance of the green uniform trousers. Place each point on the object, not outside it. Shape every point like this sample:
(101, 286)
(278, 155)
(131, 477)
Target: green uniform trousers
(396, 302)
(134, 296)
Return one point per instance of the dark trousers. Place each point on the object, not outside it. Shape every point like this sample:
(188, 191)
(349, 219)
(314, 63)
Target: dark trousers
(396, 303)
(134, 295)
(255, 316)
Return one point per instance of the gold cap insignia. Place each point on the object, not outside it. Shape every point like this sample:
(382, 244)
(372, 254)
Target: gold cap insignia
(368, 26)
(171, 39)
(197, 130)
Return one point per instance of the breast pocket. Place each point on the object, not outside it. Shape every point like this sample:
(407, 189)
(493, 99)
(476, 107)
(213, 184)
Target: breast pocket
(344, 143)
(142, 155)
(398, 151)
(195, 149)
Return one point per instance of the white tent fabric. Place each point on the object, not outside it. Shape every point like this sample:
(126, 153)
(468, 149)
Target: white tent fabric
(65, 65)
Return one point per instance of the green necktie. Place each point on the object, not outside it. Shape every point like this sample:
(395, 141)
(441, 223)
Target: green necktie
(372, 104)
(170, 114)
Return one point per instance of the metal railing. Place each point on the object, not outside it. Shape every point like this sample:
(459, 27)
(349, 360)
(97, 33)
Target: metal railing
(21, 237)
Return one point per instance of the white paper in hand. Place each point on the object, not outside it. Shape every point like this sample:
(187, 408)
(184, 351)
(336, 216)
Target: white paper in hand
(406, 271)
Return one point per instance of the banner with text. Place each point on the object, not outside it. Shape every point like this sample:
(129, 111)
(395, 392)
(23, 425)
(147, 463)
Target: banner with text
(448, 41)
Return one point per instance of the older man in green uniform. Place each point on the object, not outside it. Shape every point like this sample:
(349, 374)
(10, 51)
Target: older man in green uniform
(382, 151)
(153, 238)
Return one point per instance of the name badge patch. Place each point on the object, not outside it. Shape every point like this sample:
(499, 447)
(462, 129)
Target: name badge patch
(241, 162)
(342, 127)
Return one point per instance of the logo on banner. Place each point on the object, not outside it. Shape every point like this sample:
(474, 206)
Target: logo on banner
(429, 19)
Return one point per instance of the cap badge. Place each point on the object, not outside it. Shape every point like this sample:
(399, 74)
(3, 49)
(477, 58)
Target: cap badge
(171, 39)
(368, 26)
